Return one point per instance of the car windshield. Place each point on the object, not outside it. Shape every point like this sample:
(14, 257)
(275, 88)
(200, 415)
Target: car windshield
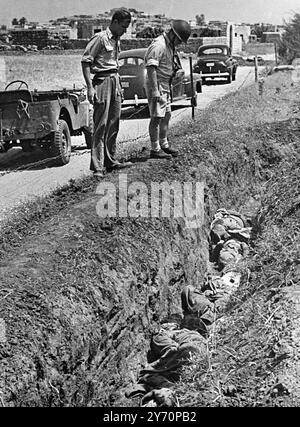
(214, 51)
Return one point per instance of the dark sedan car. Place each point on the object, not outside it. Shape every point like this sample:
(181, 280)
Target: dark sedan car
(216, 61)
(133, 79)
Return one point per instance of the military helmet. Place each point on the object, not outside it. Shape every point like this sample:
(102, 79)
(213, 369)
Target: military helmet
(182, 29)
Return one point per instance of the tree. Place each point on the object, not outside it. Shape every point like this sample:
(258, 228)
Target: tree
(210, 32)
(289, 45)
(149, 33)
(15, 21)
(200, 20)
(23, 21)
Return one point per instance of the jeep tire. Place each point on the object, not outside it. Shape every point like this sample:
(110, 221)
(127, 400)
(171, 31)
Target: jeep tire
(61, 144)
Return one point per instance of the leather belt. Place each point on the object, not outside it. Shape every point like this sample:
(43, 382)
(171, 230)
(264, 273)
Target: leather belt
(105, 74)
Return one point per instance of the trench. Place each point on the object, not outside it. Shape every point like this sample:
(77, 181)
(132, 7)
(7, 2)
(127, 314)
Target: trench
(81, 337)
(83, 295)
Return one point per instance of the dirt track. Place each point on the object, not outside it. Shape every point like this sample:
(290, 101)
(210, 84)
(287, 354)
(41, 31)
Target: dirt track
(17, 186)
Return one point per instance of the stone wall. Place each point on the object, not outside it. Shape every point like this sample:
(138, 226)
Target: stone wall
(126, 44)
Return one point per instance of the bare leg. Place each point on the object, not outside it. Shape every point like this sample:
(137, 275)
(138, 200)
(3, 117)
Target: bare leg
(163, 130)
(154, 131)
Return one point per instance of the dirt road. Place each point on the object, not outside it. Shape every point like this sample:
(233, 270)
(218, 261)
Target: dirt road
(24, 176)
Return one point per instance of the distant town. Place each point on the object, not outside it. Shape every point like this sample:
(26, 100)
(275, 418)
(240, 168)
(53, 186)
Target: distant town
(73, 31)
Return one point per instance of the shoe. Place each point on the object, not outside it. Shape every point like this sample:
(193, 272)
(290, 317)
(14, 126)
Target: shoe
(159, 155)
(172, 151)
(118, 166)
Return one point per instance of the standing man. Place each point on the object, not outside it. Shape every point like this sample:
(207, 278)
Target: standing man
(160, 60)
(104, 91)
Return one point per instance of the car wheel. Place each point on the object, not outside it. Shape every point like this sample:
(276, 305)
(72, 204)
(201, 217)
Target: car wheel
(61, 144)
(89, 131)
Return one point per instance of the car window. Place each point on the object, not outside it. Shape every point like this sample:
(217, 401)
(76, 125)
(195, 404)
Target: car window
(215, 50)
(130, 61)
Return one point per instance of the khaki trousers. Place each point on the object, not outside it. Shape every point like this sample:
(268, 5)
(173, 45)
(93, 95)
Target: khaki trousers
(107, 113)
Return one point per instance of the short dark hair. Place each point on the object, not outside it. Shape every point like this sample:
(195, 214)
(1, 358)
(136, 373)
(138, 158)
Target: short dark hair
(121, 14)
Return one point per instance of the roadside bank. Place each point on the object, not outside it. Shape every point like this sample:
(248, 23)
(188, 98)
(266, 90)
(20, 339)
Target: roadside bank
(81, 295)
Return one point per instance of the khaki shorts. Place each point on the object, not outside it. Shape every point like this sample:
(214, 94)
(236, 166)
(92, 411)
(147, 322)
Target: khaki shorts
(161, 107)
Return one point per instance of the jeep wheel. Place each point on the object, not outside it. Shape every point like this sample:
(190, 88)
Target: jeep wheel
(89, 131)
(61, 144)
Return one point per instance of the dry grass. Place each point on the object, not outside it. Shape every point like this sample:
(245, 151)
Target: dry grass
(49, 72)
(254, 150)
(45, 72)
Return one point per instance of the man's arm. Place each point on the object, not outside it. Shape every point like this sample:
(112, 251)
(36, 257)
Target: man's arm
(152, 77)
(92, 49)
(86, 71)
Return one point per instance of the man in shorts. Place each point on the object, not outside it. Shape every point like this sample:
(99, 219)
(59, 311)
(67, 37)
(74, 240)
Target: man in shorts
(160, 60)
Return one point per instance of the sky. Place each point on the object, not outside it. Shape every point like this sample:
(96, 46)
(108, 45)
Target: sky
(237, 11)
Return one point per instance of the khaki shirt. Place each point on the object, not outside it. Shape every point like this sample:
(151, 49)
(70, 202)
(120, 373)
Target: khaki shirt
(160, 54)
(102, 52)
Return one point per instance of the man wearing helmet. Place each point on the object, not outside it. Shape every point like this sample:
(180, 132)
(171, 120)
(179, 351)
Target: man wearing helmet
(161, 69)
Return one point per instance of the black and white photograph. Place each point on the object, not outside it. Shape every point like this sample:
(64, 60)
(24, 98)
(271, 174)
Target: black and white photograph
(149, 206)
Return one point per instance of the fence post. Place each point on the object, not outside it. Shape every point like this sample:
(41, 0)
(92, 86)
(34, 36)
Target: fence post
(276, 53)
(192, 88)
(256, 68)
(261, 87)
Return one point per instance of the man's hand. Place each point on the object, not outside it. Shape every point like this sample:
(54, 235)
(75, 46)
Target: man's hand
(156, 95)
(91, 95)
(179, 76)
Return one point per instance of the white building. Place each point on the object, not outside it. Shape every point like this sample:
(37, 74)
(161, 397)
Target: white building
(243, 31)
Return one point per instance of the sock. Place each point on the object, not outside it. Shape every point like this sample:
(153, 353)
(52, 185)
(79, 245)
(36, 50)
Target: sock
(164, 143)
(155, 146)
